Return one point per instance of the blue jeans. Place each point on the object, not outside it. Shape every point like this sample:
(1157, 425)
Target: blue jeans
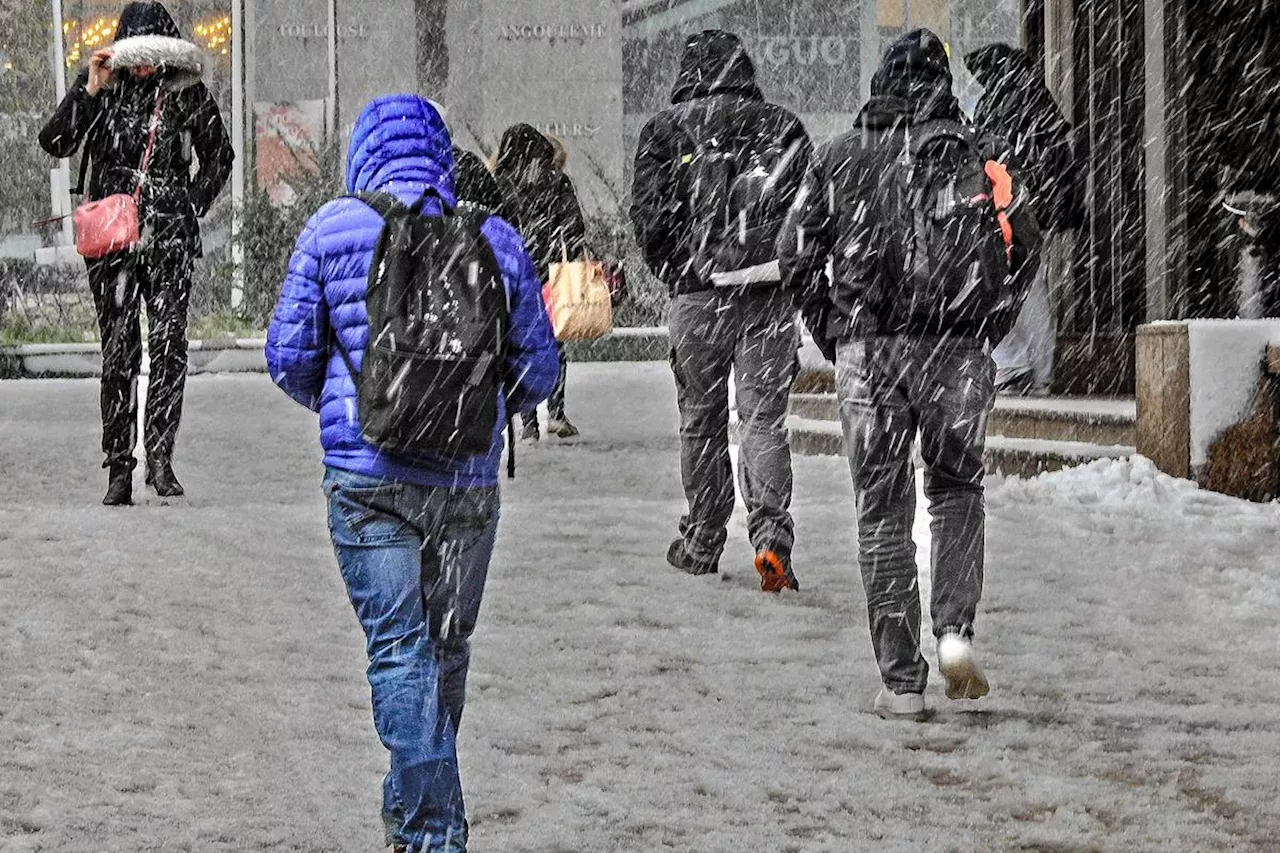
(414, 559)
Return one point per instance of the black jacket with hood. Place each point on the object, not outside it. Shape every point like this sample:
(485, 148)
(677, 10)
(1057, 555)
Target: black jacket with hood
(715, 97)
(474, 183)
(829, 223)
(541, 197)
(113, 129)
(1016, 106)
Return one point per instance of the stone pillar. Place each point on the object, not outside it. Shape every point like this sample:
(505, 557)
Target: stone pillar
(1156, 147)
(553, 65)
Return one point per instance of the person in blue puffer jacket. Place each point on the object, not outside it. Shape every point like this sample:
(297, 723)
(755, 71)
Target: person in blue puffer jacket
(413, 537)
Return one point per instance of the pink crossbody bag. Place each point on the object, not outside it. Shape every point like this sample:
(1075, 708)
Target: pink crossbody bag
(112, 224)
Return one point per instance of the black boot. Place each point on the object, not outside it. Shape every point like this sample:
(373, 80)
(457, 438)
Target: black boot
(119, 486)
(161, 478)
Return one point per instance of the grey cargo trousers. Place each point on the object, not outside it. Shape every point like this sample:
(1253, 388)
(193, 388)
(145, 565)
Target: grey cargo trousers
(890, 389)
(754, 334)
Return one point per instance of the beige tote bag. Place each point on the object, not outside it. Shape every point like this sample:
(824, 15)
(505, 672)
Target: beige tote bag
(578, 299)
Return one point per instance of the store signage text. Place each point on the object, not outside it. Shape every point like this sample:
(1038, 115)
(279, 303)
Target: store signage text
(540, 32)
(319, 31)
(804, 51)
(565, 130)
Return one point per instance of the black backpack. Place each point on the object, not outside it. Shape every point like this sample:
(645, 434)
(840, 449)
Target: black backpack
(438, 317)
(957, 237)
(729, 182)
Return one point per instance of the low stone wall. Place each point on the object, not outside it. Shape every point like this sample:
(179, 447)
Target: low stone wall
(648, 344)
(244, 355)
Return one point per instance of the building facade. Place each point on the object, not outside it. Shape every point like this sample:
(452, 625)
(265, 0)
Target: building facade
(1154, 88)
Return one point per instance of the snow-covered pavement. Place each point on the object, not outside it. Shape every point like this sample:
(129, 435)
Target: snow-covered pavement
(190, 677)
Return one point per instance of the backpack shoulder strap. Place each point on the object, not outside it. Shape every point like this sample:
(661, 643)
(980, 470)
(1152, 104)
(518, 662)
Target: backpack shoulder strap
(384, 203)
(925, 134)
(473, 215)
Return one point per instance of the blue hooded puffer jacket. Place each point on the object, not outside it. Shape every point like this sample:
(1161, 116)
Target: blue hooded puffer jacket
(399, 145)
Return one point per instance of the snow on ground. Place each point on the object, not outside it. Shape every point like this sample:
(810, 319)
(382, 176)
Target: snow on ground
(189, 677)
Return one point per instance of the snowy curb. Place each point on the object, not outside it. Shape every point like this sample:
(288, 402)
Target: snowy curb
(216, 355)
(245, 355)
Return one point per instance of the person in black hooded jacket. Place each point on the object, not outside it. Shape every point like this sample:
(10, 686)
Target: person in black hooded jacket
(107, 115)
(473, 183)
(714, 176)
(898, 375)
(549, 217)
(1017, 107)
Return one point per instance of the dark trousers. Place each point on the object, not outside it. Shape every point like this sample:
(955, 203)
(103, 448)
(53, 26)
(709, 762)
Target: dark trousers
(555, 403)
(121, 284)
(754, 337)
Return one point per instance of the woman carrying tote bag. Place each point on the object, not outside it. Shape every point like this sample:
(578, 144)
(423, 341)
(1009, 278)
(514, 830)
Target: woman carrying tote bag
(550, 220)
(140, 115)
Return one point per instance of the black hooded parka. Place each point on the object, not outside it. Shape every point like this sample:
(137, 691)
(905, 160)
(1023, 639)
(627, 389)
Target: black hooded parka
(541, 197)
(112, 128)
(830, 223)
(1016, 106)
(715, 96)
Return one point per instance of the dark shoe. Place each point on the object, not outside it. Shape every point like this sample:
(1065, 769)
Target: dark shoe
(775, 572)
(679, 557)
(119, 486)
(529, 431)
(161, 478)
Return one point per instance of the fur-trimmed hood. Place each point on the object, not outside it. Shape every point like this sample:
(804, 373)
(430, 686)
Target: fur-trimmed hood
(181, 63)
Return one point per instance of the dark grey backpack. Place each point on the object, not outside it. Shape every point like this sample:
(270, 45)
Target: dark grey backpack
(438, 316)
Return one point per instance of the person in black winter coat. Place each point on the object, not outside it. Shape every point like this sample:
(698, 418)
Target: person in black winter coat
(549, 217)
(1016, 107)
(107, 115)
(900, 372)
(475, 184)
(714, 176)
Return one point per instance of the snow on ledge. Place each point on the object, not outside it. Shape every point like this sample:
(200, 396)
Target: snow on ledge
(1224, 369)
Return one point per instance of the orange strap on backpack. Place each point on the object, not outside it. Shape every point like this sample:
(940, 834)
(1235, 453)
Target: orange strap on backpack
(1002, 191)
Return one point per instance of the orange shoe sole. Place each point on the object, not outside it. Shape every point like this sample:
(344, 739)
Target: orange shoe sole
(773, 573)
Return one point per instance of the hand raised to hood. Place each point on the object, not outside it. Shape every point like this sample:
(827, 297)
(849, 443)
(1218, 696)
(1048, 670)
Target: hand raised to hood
(99, 73)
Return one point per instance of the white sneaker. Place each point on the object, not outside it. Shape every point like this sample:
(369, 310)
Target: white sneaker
(959, 665)
(900, 706)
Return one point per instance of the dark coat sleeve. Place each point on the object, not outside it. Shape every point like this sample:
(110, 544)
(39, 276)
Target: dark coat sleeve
(571, 227)
(805, 244)
(796, 157)
(659, 214)
(212, 147)
(62, 134)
